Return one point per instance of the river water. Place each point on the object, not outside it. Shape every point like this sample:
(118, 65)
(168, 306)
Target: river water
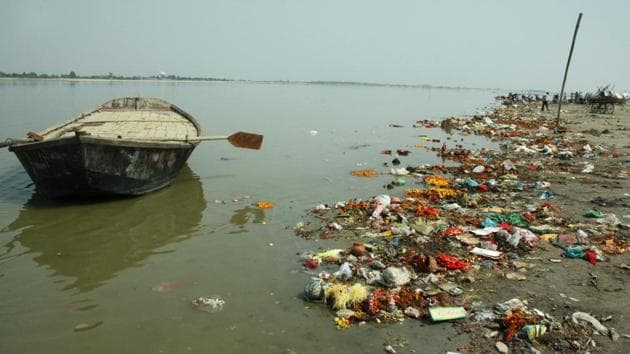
(125, 271)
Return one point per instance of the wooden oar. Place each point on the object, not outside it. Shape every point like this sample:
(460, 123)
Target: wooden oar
(31, 138)
(10, 142)
(240, 139)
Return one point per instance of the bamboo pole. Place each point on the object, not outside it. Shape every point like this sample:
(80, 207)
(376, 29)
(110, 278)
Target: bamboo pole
(566, 70)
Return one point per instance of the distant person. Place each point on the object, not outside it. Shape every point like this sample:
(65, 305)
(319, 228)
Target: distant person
(545, 102)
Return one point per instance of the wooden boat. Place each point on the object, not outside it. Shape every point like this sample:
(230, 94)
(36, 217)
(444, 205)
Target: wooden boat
(127, 146)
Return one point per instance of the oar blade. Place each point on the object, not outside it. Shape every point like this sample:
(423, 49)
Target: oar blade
(246, 140)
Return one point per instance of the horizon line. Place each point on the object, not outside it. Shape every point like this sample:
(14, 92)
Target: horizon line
(177, 78)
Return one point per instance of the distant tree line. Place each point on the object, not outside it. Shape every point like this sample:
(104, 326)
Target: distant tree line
(109, 76)
(162, 76)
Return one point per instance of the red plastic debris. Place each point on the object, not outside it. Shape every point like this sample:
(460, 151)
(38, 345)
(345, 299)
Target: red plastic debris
(591, 256)
(527, 215)
(505, 226)
(452, 262)
(548, 206)
(453, 231)
(311, 264)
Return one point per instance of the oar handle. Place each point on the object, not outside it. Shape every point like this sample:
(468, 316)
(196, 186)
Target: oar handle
(208, 138)
(10, 141)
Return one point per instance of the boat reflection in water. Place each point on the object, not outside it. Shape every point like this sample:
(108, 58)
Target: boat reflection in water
(93, 242)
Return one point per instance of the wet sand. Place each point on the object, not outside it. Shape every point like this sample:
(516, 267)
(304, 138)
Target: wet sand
(561, 289)
(575, 285)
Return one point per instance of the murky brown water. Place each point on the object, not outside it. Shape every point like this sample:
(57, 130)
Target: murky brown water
(129, 268)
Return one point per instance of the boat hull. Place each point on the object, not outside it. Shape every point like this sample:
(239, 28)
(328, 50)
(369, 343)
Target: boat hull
(82, 166)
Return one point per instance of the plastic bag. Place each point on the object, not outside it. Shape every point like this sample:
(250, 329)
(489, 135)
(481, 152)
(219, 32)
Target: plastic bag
(208, 304)
(452, 262)
(314, 289)
(471, 183)
(488, 222)
(344, 272)
(508, 165)
(596, 214)
(382, 202)
(574, 252)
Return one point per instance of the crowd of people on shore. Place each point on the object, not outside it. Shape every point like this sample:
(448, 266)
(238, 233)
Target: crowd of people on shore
(577, 97)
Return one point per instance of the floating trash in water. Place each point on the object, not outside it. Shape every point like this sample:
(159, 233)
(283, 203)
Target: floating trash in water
(166, 286)
(87, 326)
(368, 172)
(265, 205)
(208, 304)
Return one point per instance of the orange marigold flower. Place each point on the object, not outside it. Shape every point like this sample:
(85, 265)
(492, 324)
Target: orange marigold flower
(441, 192)
(427, 212)
(437, 181)
(414, 193)
(264, 205)
(368, 172)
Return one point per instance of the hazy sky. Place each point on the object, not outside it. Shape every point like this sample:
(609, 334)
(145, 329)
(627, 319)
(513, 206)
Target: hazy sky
(496, 44)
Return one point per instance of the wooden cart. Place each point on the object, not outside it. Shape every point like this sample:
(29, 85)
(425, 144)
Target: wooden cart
(603, 104)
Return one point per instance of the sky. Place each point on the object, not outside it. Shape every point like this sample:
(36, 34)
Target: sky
(490, 44)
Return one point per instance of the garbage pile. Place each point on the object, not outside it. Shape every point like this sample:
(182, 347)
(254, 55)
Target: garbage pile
(533, 327)
(414, 253)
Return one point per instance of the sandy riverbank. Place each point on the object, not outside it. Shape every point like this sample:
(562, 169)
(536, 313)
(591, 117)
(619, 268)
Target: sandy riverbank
(574, 285)
(554, 181)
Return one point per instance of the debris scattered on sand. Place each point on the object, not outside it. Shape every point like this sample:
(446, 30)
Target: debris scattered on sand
(416, 253)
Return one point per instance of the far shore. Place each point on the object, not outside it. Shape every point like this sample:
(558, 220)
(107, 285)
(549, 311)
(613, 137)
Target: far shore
(263, 82)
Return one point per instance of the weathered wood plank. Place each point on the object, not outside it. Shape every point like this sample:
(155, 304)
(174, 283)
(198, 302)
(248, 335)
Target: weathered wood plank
(135, 124)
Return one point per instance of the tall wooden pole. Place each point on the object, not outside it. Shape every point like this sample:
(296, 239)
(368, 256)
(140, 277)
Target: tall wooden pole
(566, 70)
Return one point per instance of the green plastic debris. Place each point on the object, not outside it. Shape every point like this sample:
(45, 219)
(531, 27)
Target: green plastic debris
(445, 313)
(514, 219)
(399, 182)
(596, 214)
